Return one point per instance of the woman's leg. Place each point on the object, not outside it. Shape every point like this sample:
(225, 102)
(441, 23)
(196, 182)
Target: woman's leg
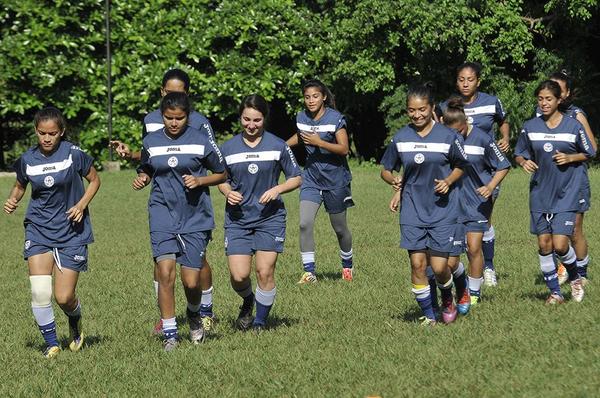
(265, 289)
(475, 257)
(166, 296)
(580, 245)
(239, 270)
(420, 286)
(443, 275)
(308, 214)
(40, 278)
(344, 236)
(65, 283)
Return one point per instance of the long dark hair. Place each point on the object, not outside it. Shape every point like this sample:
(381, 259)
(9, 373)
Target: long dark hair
(51, 113)
(255, 101)
(319, 85)
(421, 90)
(564, 77)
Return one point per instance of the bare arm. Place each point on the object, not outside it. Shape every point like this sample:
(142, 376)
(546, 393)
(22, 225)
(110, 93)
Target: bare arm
(486, 190)
(289, 185)
(340, 147)
(504, 142)
(528, 165)
(292, 141)
(443, 186)
(16, 194)
(192, 182)
(75, 213)
(394, 181)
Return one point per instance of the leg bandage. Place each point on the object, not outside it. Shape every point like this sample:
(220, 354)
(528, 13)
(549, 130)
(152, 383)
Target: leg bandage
(41, 290)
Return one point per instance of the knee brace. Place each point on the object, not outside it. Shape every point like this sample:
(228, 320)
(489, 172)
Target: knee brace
(41, 290)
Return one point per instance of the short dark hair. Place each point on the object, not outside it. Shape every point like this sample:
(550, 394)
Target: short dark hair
(255, 101)
(176, 101)
(474, 66)
(50, 113)
(177, 74)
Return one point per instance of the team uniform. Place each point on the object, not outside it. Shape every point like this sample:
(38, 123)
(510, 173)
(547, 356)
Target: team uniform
(427, 219)
(251, 226)
(555, 191)
(56, 186)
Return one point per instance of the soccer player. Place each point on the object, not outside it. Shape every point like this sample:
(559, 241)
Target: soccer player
(553, 148)
(177, 81)
(176, 159)
(487, 167)
(254, 211)
(57, 224)
(578, 239)
(326, 176)
(483, 111)
(432, 158)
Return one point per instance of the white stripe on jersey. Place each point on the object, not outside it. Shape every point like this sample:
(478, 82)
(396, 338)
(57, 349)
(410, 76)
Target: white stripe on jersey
(474, 150)
(151, 127)
(564, 137)
(48, 168)
(422, 147)
(316, 129)
(480, 110)
(176, 150)
(262, 156)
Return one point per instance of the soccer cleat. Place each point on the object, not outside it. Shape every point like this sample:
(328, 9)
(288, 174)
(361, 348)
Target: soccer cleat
(577, 290)
(475, 300)
(584, 281)
(489, 278)
(448, 310)
(555, 299)
(158, 330)
(170, 344)
(208, 323)
(75, 335)
(424, 321)
(197, 334)
(76, 343)
(563, 276)
(347, 274)
(464, 304)
(307, 277)
(245, 318)
(258, 329)
(51, 352)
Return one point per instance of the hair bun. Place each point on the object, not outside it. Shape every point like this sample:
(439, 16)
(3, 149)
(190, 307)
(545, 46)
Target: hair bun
(456, 102)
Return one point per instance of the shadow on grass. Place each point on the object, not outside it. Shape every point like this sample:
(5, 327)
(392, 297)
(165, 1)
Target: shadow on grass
(534, 296)
(89, 341)
(539, 280)
(329, 276)
(412, 315)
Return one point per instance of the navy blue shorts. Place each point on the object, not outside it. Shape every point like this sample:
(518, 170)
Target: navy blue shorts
(248, 241)
(335, 200)
(585, 196)
(555, 224)
(189, 248)
(459, 244)
(74, 258)
(476, 226)
(439, 238)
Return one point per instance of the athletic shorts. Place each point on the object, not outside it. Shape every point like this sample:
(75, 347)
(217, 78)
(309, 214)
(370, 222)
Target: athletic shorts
(555, 224)
(335, 200)
(459, 243)
(585, 196)
(74, 258)
(248, 241)
(439, 238)
(476, 226)
(496, 192)
(189, 249)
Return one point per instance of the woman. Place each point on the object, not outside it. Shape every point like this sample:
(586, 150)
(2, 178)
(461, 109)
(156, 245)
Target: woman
(177, 81)
(57, 223)
(578, 239)
(553, 148)
(483, 111)
(254, 213)
(487, 167)
(176, 158)
(326, 177)
(432, 158)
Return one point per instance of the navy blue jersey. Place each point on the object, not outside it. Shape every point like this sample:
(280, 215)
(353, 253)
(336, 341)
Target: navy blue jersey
(483, 112)
(323, 170)
(423, 160)
(553, 188)
(571, 111)
(252, 172)
(172, 207)
(56, 186)
(484, 159)
(154, 122)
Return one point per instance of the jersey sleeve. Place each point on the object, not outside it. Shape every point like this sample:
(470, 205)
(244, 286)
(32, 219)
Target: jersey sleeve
(214, 159)
(495, 158)
(81, 161)
(523, 147)
(341, 124)
(288, 163)
(391, 160)
(20, 169)
(457, 154)
(583, 143)
(145, 166)
(500, 114)
(439, 111)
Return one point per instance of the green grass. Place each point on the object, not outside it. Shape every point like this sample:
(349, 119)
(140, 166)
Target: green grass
(331, 339)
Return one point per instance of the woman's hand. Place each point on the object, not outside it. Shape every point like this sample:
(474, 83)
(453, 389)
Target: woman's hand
(140, 181)
(441, 186)
(268, 196)
(395, 202)
(234, 198)
(310, 138)
(484, 191)
(75, 214)
(10, 205)
(192, 182)
(529, 166)
(121, 148)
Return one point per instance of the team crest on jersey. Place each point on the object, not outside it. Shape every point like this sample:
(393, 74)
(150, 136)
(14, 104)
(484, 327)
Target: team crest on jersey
(172, 162)
(27, 244)
(470, 119)
(419, 158)
(49, 181)
(252, 168)
(548, 147)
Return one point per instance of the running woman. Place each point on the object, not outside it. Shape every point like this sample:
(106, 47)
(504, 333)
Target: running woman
(57, 224)
(254, 212)
(177, 81)
(483, 111)
(578, 239)
(553, 148)
(326, 176)
(432, 158)
(177, 160)
(487, 167)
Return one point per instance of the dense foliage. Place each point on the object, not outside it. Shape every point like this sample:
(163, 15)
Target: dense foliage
(53, 52)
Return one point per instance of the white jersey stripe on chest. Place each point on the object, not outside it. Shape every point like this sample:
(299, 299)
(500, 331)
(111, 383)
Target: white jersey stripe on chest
(422, 147)
(474, 150)
(150, 127)
(48, 168)
(480, 110)
(316, 129)
(176, 150)
(564, 137)
(246, 157)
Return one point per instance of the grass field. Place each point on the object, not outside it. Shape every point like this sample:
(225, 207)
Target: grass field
(330, 339)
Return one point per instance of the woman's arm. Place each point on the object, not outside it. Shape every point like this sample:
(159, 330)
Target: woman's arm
(192, 182)
(233, 197)
(486, 190)
(528, 165)
(566, 158)
(289, 185)
(504, 142)
(292, 141)
(75, 213)
(340, 147)
(443, 186)
(588, 130)
(16, 194)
